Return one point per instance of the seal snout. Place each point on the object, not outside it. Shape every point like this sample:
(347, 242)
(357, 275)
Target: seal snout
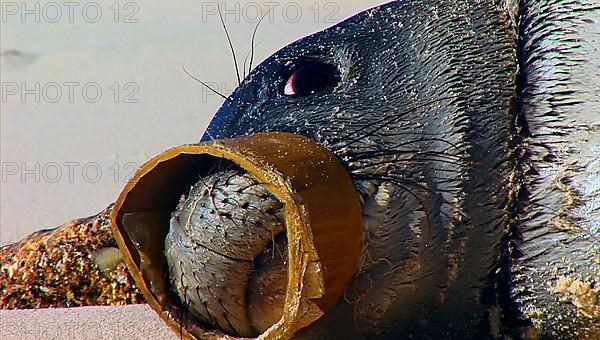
(227, 252)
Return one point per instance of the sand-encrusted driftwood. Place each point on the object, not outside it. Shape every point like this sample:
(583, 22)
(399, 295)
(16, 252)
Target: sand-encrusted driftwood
(76, 264)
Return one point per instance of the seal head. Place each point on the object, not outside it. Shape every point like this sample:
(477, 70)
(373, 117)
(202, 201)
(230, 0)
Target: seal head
(414, 99)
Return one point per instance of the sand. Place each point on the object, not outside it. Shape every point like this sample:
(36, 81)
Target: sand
(123, 322)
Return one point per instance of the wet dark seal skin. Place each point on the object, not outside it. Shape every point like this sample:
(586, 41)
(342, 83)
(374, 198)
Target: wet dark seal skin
(471, 131)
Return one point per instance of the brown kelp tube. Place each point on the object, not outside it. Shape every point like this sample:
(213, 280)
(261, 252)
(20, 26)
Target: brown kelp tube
(251, 236)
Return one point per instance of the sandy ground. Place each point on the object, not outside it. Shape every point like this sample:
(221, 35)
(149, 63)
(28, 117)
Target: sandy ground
(90, 92)
(127, 322)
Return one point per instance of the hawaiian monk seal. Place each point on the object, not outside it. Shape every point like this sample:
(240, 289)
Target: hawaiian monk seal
(475, 149)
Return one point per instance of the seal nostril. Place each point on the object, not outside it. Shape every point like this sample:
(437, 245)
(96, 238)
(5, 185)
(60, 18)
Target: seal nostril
(310, 78)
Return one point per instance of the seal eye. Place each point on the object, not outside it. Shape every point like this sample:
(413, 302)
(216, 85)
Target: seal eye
(309, 79)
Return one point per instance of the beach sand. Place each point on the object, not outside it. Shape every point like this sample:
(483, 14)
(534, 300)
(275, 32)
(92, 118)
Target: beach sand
(108, 322)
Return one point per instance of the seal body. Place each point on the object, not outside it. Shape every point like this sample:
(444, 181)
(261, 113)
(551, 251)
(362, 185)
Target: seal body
(450, 117)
